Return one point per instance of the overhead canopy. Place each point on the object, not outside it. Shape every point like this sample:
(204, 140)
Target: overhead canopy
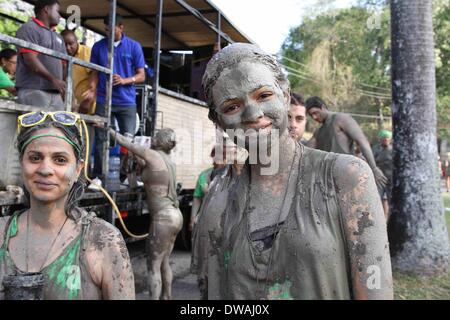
(180, 28)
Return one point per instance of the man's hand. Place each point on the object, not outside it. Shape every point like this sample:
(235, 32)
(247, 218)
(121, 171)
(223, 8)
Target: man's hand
(88, 95)
(118, 80)
(60, 86)
(380, 178)
(191, 224)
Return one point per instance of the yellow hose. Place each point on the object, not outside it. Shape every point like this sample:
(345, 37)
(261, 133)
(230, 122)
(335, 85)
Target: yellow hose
(116, 209)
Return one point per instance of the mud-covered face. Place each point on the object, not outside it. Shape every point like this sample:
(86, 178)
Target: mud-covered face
(247, 96)
(49, 167)
(318, 114)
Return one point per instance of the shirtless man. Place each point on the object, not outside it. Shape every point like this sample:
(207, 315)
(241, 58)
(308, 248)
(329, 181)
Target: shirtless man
(159, 178)
(315, 229)
(337, 134)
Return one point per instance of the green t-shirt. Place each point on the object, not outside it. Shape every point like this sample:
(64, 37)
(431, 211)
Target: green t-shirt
(203, 179)
(5, 81)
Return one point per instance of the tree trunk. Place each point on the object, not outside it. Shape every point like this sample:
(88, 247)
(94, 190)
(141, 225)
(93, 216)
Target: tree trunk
(418, 235)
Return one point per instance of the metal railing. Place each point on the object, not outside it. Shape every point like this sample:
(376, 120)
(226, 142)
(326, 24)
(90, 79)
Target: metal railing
(69, 81)
(49, 52)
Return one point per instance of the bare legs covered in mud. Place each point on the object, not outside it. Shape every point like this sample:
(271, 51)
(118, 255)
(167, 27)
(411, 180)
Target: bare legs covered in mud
(164, 228)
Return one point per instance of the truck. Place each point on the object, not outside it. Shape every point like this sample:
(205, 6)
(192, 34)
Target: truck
(178, 39)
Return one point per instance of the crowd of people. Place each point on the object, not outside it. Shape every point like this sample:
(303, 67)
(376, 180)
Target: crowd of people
(315, 229)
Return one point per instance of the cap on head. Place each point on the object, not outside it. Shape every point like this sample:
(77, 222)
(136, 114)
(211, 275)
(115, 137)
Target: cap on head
(385, 134)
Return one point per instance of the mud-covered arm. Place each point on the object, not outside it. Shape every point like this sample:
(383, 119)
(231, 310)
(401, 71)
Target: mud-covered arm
(117, 273)
(108, 262)
(196, 203)
(365, 230)
(138, 150)
(353, 130)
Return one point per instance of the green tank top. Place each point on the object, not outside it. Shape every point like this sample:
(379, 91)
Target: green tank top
(158, 203)
(62, 276)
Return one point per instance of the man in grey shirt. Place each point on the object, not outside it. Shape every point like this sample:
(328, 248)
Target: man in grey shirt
(40, 78)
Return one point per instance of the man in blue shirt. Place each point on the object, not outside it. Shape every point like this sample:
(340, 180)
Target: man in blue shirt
(128, 70)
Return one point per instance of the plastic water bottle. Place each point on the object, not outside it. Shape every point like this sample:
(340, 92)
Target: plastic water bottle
(113, 177)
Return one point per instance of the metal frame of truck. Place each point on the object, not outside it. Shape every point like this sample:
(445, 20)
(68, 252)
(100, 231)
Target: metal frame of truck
(129, 200)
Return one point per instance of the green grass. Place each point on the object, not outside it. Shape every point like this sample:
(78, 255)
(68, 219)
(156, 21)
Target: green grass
(409, 287)
(413, 287)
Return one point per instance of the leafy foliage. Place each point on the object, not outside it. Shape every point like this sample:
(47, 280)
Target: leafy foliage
(344, 56)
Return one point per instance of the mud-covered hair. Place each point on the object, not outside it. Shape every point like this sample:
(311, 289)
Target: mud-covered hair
(73, 134)
(232, 55)
(164, 140)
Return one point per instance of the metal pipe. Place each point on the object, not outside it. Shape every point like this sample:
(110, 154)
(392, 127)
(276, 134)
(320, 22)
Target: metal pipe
(49, 52)
(205, 21)
(156, 60)
(219, 27)
(69, 85)
(147, 21)
(109, 84)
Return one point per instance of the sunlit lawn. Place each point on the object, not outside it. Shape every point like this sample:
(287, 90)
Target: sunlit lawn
(408, 287)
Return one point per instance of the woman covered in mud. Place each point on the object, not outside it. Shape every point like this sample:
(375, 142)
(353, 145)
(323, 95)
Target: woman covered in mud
(298, 223)
(63, 251)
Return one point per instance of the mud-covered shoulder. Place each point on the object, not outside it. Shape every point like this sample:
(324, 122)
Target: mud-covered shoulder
(350, 171)
(103, 234)
(114, 266)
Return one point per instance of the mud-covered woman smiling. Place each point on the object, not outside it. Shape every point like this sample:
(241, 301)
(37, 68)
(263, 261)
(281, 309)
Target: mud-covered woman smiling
(79, 255)
(306, 224)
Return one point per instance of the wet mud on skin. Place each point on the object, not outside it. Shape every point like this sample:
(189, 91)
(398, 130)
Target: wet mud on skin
(108, 262)
(234, 80)
(365, 227)
(164, 228)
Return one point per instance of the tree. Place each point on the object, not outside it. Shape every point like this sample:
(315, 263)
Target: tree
(417, 231)
(344, 60)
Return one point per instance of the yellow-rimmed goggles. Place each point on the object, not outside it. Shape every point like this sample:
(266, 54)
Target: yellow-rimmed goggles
(32, 119)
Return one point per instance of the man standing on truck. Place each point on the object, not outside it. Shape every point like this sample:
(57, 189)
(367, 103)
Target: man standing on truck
(40, 78)
(166, 220)
(128, 69)
(80, 77)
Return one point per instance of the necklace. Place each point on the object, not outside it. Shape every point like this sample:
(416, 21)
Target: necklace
(51, 246)
(277, 226)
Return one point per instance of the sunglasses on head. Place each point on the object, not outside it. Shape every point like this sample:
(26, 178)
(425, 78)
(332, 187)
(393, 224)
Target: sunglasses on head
(32, 119)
